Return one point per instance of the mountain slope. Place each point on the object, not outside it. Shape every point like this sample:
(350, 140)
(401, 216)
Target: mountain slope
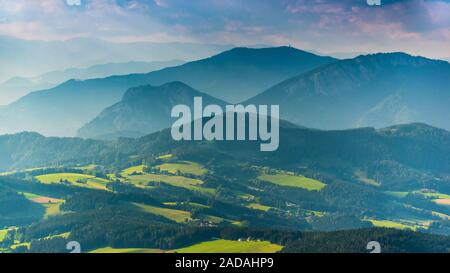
(373, 90)
(62, 110)
(143, 110)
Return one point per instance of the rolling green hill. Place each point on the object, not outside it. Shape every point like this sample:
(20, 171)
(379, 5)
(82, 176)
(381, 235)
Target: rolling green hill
(130, 194)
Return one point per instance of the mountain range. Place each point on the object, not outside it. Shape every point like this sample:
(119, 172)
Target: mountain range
(17, 87)
(377, 90)
(235, 74)
(28, 58)
(371, 90)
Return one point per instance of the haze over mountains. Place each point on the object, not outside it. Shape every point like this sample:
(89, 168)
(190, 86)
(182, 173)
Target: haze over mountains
(372, 90)
(62, 110)
(18, 87)
(377, 90)
(29, 58)
(143, 110)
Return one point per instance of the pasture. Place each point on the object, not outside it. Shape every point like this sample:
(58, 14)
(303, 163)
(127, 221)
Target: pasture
(179, 216)
(391, 224)
(74, 179)
(183, 167)
(149, 180)
(227, 246)
(126, 250)
(289, 180)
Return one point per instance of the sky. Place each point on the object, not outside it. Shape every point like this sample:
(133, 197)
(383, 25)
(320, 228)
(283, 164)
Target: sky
(419, 27)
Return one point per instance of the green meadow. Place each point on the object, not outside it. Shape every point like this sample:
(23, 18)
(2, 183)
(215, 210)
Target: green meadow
(391, 224)
(3, 234)
(40, 199)
(148, 180)
(179, 216)
(126, 250)
(135, 169)
(52, 210)
(227, 246)
(258, 206)
(64, 235)
(184, 167)
(289, 180)
(51, 205)
(165, 157)
(75, 179)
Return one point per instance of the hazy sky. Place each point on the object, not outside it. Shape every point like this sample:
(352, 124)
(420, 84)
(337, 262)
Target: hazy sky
(415, 26)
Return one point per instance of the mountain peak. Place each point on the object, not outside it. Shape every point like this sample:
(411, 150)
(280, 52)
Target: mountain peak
(172, 89)
(281, 53)
(143, 110)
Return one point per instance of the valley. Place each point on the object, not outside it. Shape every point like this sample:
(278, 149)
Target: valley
(210, 196)
(167, 127)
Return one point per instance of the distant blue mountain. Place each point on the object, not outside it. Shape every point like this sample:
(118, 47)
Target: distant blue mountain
(143, 110)
(18, 87)
(233, 75)
(372, 90)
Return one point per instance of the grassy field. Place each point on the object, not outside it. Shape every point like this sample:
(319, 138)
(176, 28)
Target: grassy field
(3, 234)
(289, 180)
(258, 206)
(41, 199)
(179, 216)
(226, 246)
(134, 169)
(126, 250)
(144, 180)
(391, 224)
(316, 213)
(52, 210)
(14, 246)
(75, 179)
(165, 157)
(64, 235)
(435, 195)
(184, 167)
(51, 205)
(441, 215)
(439, 198)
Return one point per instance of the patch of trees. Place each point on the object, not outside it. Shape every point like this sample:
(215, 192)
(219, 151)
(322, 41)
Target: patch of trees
(355, 241)
(16, 210)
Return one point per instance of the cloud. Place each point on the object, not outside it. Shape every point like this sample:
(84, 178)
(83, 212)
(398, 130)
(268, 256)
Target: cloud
(419, 26)
(73, 2)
